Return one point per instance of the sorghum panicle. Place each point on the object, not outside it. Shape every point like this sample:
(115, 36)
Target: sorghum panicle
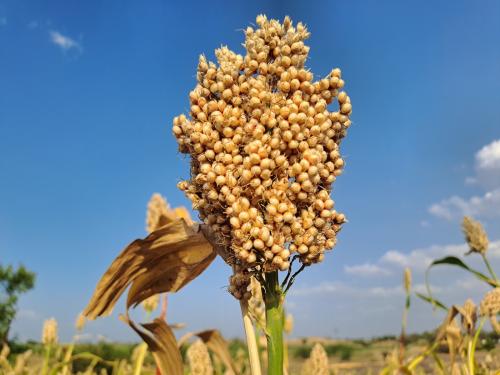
(264, 151)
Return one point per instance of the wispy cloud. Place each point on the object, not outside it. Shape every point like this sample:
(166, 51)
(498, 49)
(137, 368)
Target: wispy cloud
(486, 206)
(64, 42)
(420, 259)
(396, 290)
(393, 261)
(366, 270)
(487, 168)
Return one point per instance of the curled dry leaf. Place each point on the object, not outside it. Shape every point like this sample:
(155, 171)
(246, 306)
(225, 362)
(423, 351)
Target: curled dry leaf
(162, 344)
(164, 261)
(448, 320)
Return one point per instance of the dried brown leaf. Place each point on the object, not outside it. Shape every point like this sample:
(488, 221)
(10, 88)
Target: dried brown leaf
(162, 344)
(164, 261)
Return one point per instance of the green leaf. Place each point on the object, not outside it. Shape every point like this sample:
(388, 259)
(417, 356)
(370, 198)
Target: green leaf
(432, 301)
(454, 261)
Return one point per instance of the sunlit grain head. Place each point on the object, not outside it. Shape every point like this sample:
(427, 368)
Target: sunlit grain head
(157, 208)
(475, 235)
(407, 280)
(490, 307)
(199, 359)
(264, 149)
(49, 333)
(317, 363)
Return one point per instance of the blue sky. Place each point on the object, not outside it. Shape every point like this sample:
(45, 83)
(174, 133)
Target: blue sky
(88, 91)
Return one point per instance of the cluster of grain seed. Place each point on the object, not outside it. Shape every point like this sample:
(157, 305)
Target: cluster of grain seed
(49, 332)
(317, 363)
(199, 359)
(239, 283)
(490, 307)
(156, 213)
(475, 235)
(265, 149)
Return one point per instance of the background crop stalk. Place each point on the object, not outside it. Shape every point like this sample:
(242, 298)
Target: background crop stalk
(253, 350)
(273, 298)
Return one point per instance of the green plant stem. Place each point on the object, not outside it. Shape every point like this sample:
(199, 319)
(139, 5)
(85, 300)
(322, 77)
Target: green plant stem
(402, 339)
(416, 361)
(273, 298)
(488, 265)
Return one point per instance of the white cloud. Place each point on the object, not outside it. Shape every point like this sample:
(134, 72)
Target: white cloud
(421, 258)
(494, 250)
(393, 261)
(366, 269)
(487, 205)
(489, 156)
(355, 292)
(487, 167)
(63, 41)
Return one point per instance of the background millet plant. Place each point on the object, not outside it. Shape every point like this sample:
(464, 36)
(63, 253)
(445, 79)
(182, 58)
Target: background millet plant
(264, 153)
(463, 324)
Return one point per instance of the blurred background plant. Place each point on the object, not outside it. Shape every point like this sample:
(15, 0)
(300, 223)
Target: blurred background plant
(462, 327)
(13, 282)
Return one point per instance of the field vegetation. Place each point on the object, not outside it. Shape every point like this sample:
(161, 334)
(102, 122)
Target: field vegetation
(263, 139)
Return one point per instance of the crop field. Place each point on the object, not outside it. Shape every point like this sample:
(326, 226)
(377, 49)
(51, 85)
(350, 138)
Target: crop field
(276, 199)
